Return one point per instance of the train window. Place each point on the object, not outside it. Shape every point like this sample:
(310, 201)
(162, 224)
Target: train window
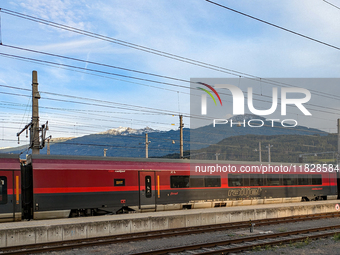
(148, 186)
(179, 181)
(212, 181)
(235, 180)
(246, 180)
(256, 180)
(119, 182)
(3, 190)
(289, 179)
(303, 179)
(316, 179)
(196, 181)
(273, 180)
(193, 181)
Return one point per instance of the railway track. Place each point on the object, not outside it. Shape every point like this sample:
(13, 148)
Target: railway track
(63, 245)
(247, 243)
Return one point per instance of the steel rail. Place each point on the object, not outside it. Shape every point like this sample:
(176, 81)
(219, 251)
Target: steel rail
(243, 247)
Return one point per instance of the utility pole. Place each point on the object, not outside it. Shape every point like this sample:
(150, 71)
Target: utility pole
(33, 126)
(181, 136)
(269, 146)
(35, 114)
(260, 152)
(146, 145)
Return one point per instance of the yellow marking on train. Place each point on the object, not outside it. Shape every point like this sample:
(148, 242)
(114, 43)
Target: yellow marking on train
(159, 192)
(17, 189)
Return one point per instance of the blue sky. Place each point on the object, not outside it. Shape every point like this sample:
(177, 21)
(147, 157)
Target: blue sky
(194, 29)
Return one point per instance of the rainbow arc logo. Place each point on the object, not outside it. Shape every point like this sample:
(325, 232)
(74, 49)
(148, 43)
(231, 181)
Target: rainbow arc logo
(209, 93)
(204, 98)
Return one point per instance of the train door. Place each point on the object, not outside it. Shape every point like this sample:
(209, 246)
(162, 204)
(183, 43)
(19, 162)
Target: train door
(9, 195)
(147, 195)
(7, 211)
(10, 198)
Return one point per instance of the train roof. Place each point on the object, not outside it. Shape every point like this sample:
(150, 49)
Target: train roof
(131, 159)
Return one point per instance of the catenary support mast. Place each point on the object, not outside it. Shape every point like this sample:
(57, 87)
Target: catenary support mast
(35, 115)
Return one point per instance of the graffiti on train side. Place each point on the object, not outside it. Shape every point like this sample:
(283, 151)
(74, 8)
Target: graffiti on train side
(244, 192)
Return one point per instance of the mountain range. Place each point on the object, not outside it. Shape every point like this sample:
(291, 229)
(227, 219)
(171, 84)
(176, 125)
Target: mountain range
(128, 142)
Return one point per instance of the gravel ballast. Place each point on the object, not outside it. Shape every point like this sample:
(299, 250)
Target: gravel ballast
(322, 246)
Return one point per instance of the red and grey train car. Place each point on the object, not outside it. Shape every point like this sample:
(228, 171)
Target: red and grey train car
(63, 186)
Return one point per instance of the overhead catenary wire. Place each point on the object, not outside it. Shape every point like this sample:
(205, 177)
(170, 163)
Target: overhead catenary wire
(190, 142)
(117, 41)
(277, 127)
(312, 131)
(331, 4)
(95, 63)
(101, 101)
(206, 144)
(88, 69)
(102, 76)
(144, 109)
(66, 101)
(274, 25)
(272, 82)
(203, 133)
(146, 49)
(109, 73)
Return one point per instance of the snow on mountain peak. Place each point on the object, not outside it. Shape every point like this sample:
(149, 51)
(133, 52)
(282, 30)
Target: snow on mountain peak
(128, 131)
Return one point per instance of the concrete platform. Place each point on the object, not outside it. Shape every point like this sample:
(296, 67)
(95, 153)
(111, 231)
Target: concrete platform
(32, 232)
